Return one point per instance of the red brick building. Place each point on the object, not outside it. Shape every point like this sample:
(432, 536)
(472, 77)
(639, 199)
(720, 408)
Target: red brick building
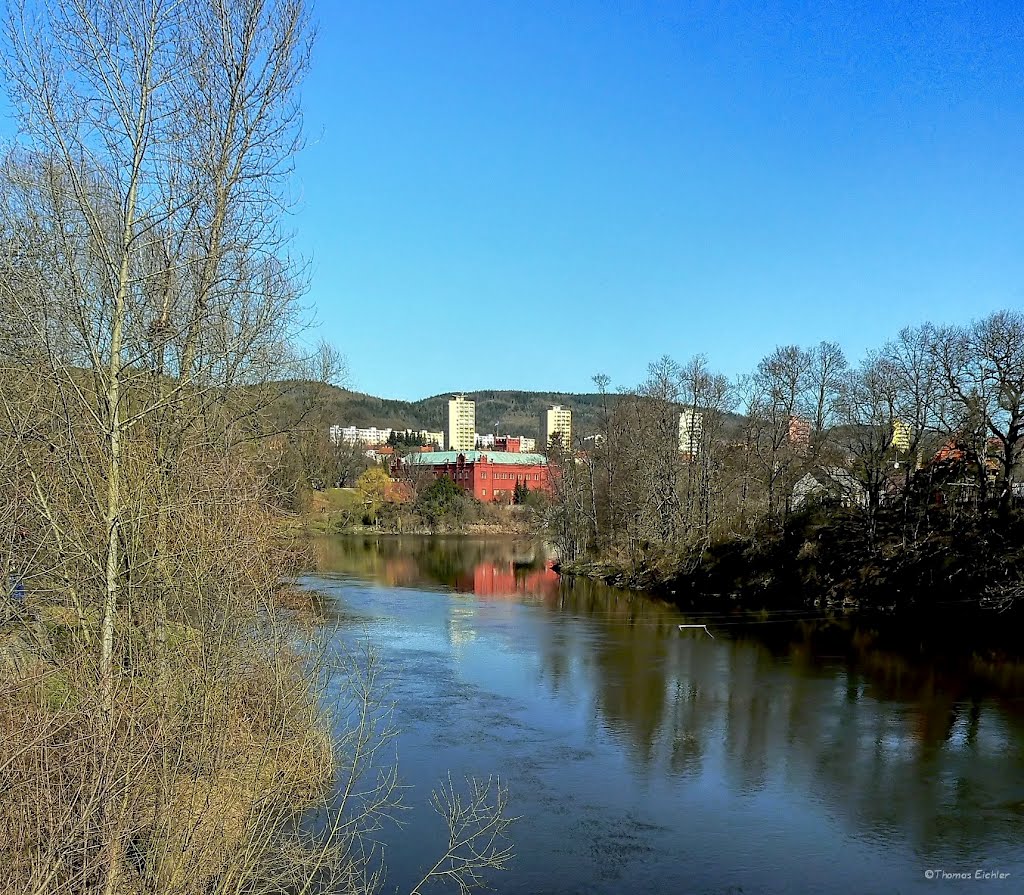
(799, 432)
(487, 475)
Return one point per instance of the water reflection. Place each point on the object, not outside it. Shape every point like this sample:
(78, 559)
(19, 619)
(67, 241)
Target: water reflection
(812, 716)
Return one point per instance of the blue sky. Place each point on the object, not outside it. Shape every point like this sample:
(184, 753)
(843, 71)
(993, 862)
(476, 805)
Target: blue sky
(518, 195)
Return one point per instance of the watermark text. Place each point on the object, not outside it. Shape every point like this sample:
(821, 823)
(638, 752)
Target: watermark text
(979, 874)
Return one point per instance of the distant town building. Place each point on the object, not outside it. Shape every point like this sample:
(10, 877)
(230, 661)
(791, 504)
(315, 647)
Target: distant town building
(353, 435)
(461, 432)
(380, 453)
(483, 441)
(371, 435)
(830, 483)
(509, 443)
(556, 420)
(901, 436)
(425, 435)
(799, 434)
(487, 475)
(691, 431)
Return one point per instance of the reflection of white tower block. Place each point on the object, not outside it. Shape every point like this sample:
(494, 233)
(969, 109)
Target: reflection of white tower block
(704, 627)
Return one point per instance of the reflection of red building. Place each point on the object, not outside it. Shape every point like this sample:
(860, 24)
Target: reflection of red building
(487, 475)
(489, 579)
(400, 572)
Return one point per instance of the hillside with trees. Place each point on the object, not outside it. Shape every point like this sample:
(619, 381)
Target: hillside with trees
(515, 412)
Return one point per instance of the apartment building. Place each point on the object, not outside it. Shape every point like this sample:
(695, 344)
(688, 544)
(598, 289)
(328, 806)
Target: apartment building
(556, 420)
(460, 434)
(354, 435)
(900, 436)
(424, 435)
(691, 431)
(799, 435)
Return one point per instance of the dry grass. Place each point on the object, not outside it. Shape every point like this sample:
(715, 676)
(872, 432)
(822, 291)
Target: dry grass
(192, 789)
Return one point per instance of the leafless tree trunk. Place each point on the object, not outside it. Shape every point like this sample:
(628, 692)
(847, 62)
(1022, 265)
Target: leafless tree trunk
(776, 413)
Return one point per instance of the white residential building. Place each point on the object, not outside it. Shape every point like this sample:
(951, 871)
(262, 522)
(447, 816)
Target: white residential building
(354, 435)
(426, 436)
(691, 431)
(461, 432)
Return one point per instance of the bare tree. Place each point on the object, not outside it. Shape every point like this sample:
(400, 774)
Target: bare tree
(657, 446)
(568, 520)
(705, 398)
(149, 307)
(911, 358)
(776, 417)
(869, 418)
(981, 372)
(825, 380)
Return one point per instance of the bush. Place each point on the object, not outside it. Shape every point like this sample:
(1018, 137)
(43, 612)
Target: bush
(442, 503)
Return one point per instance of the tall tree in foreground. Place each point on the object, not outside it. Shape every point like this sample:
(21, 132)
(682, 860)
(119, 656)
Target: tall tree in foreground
(156, 136)
(705, 398)
(152, 301)
(163, 725)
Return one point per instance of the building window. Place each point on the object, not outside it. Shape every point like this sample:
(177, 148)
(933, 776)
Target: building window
(483, 493)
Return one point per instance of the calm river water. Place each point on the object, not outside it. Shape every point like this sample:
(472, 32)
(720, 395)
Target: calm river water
(786, 754)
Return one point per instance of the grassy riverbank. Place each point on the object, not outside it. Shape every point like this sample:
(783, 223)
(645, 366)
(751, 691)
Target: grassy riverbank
(443, 509)
(216, 735)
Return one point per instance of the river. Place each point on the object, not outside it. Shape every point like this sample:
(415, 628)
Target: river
(784, 753)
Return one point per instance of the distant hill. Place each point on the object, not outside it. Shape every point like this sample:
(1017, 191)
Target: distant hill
(514, 412)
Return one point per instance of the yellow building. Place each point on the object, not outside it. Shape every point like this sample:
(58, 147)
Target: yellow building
(556, 420)
(901, 436)
(461, 432)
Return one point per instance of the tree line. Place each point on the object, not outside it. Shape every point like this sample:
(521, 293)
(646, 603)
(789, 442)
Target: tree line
(925, 430)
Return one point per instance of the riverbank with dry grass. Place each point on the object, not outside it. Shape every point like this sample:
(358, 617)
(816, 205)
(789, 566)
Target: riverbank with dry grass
(218, 733)
(439, 510)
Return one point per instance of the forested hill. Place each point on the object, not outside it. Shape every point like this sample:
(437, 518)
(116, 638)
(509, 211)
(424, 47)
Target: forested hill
(514, 412)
